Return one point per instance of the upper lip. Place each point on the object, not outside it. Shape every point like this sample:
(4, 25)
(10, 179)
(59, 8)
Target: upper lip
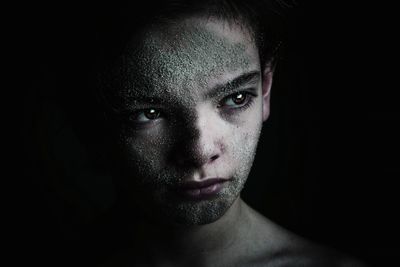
(201, 184)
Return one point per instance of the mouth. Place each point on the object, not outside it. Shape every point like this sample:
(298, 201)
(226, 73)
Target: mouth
(199, 190)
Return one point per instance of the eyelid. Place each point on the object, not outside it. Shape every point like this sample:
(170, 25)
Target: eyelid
(252, 92)
(134, 114)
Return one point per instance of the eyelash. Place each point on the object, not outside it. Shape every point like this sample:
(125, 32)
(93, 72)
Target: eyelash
(137, 113)
(249, 100)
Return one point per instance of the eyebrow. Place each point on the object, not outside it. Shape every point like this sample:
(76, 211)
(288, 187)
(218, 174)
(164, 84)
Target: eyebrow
(241, 80)
(244, 79)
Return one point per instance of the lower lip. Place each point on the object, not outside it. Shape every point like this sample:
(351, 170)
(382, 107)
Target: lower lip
(202, 193)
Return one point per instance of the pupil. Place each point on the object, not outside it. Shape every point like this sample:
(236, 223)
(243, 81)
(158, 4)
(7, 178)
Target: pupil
(152, 114)
(239, 98)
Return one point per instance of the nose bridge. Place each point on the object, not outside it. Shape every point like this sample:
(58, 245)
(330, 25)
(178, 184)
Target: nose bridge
(204, 138)
(207, 143)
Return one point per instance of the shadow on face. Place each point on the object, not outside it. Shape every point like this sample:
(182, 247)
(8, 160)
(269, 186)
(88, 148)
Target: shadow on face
(190, 108)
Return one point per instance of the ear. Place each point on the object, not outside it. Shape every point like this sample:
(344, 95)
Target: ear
(266, 91)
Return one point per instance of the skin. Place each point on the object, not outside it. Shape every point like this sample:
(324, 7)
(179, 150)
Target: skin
(193, 139)
(180, 122)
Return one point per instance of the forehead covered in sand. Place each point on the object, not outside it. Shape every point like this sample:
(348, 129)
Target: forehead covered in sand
(182, 60)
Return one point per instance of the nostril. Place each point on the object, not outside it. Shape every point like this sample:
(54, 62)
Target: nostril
(214, 157)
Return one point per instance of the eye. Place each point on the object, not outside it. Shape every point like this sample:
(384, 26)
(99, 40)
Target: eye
(146, 115)
(235, 100)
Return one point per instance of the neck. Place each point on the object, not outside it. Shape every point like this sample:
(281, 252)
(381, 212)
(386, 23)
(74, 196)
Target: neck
(199, 242)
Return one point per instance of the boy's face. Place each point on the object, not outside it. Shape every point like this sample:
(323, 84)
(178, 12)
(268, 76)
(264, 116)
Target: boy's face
(192, 104)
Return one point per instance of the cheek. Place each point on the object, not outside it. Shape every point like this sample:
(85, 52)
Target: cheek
(243, 142)
(145, 151)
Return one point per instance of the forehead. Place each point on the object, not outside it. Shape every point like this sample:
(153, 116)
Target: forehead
(186, 57)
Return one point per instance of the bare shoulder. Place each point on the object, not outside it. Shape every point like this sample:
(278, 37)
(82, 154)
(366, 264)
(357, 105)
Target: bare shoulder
(282, 248)
(311, 255)
(351, 262)
(311, 259)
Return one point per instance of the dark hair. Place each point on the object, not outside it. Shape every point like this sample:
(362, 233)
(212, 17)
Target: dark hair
(91, 38)
(115, 25)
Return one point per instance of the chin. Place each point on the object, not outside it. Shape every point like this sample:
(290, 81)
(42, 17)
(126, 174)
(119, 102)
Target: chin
(198, 213)
(201, 212)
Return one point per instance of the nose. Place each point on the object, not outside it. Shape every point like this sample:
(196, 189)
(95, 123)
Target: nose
(202, 141)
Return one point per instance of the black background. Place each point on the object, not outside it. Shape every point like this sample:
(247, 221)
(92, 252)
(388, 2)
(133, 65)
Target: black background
(337, 131)
(327, 164)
